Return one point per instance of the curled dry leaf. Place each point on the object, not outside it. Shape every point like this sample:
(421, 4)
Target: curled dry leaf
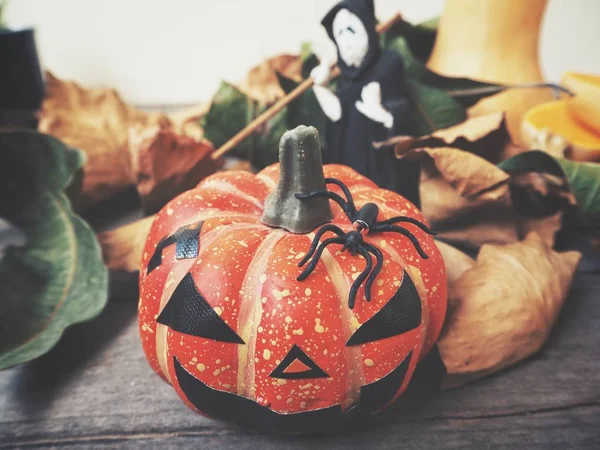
(456, 261)
(95, 121)
(503, 308)
(261, 82)
(166, 163)
(581, 181)
(122, 247)
(486, 136)
(187, 121)
(162, 155)
(468, 199)
(463, 196)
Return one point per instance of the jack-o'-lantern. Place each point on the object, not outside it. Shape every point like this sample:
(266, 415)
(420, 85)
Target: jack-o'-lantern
(244, 334)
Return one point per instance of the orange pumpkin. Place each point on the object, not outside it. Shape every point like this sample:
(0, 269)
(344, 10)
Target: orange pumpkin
(224, 319)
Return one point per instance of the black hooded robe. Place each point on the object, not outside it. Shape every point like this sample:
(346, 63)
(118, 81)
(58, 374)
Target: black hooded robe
(349, 141)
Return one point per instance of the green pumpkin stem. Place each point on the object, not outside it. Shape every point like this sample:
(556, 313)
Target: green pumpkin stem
(300, 172)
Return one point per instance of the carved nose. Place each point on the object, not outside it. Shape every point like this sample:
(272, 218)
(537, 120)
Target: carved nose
(298, 365)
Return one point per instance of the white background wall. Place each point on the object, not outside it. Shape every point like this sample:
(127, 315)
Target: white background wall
(176, 51)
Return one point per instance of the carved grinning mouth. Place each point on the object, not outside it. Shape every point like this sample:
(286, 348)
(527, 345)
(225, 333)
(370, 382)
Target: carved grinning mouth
(246, 412)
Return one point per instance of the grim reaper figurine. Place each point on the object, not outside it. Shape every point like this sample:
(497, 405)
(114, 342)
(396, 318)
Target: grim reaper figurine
(370, 103)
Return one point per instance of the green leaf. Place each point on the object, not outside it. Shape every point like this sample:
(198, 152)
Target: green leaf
(58, 277)
(583, 179)
(433, 108)
(229, 112)
(420, 38)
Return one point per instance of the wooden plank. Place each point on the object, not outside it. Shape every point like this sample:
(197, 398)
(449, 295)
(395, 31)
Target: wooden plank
(95, 390)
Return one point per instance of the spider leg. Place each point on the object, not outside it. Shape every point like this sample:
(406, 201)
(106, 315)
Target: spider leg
(408, 234)
(308, 270)
(393, 220)
(346, 191)
(324, 229)
(359, 280)
(330, 195)
(379, 258)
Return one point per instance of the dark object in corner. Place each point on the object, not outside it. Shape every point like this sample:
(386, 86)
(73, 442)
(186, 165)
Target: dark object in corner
(21, 81)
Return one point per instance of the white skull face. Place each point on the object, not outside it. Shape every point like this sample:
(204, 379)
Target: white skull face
(351, 37)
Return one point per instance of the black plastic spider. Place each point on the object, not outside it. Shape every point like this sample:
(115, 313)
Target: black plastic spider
(365, 222)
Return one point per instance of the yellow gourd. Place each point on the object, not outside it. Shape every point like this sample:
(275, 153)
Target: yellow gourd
(553, 128)
(585, 105)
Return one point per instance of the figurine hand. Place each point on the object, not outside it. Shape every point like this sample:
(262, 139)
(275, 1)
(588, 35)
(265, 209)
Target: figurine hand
(321, 73)
(371, 93)
(370, 105)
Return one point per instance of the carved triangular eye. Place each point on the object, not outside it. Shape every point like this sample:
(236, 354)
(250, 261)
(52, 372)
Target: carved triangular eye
(399, 315)
(188, 312)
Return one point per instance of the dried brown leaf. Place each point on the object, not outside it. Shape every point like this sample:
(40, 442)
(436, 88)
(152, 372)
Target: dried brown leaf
(162, 155)
(122, 247)
(463, 196)
(261, 82)
(468, 199)
(456, 261)
(96, 121)
(486, 136)
(166, 163)
(187, 121)
(503, 308)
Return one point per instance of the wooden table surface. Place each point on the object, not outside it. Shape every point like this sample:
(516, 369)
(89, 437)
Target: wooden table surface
(95, 390)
